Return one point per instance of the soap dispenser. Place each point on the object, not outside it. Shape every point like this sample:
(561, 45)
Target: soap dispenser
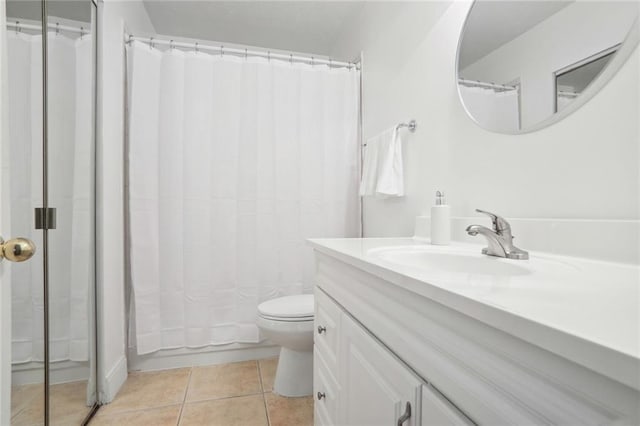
(440, 221)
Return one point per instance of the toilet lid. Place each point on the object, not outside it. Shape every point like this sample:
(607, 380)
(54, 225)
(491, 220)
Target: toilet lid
(300, 306)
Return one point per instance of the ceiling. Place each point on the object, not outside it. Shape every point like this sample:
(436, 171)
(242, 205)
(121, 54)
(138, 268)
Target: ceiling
(75, 10)
(299, 26)
(493, 23)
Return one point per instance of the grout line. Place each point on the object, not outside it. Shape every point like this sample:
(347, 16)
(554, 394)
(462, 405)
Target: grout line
(264, 399)
(260, 375)
(193, 401)
(135, 410)
(184, 400)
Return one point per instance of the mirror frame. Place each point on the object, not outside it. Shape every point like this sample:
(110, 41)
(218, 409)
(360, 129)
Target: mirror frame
(627, 46)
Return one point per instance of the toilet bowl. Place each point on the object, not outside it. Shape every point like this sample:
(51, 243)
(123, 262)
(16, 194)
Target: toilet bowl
(288, 322)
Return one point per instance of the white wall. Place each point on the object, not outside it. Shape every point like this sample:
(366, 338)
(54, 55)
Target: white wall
(396, 76)
(576, 32)
(114, 18)
(583, 167)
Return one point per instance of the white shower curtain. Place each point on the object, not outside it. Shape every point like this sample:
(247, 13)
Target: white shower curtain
(70, 138)
(233, 162)
(494, 110)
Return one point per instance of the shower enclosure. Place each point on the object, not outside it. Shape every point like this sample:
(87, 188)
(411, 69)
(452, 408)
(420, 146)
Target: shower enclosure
(47, 196)
(236, 156)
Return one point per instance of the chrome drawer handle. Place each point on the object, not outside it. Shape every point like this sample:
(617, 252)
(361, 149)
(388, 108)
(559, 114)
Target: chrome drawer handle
(406, 416)
(320, 395)
(321, 329)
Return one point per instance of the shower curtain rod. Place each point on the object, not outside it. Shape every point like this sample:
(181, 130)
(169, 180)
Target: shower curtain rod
(478, 83)
(22, 26)
(152, 41)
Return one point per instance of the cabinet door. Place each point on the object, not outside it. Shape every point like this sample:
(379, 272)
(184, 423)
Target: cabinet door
(325, 392)
(437, 411)
(376, 387)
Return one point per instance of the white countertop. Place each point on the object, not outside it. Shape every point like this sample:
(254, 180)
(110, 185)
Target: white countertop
(584, 310)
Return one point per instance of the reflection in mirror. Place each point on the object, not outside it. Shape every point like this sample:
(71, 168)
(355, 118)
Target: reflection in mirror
(572, 81)
(521, 62)
(20, 195)
(70, 134)
(71, 370)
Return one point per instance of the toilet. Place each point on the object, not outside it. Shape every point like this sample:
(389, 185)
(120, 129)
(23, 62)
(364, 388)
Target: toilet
(288, 322)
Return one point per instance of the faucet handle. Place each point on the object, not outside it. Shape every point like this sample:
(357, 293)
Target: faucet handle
(499, 223)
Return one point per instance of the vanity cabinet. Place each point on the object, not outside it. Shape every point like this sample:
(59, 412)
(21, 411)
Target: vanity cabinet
(437, 411)
(358, 381)
(382, 341)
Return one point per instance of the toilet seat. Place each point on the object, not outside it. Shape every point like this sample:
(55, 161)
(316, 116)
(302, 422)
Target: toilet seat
(289, 308)
(301, 319)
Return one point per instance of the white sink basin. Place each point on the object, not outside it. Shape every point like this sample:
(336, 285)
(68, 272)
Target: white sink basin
(437, 259)
(455, 263)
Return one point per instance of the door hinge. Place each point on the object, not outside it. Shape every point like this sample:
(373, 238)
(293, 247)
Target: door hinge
(45, 218)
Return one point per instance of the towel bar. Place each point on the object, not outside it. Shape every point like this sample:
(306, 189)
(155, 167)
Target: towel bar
(411, 125)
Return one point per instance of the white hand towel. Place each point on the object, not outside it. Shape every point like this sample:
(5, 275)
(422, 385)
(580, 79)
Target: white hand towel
(370, 167)
(390, 182)
(382, 172)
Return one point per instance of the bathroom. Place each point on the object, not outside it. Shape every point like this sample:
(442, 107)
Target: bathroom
(313, 212)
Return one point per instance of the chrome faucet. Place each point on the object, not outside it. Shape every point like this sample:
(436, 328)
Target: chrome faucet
(499, 238)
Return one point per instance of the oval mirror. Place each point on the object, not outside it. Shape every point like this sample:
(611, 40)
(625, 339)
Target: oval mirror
(523, 65)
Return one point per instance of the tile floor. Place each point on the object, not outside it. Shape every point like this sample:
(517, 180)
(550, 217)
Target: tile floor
(68, 404)
(236, 394)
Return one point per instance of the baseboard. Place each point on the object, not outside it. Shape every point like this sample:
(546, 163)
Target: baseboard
(185, 357)
(61, 372)
(114, 380)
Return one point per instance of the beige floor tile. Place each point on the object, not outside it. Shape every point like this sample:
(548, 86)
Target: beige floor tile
(239, 411)
(224, 380)
(69, 403)
(268, 373)
(31, 415)
(289, 411)
(150, 390)
(25, 396)
(68, 406)
(163, 416)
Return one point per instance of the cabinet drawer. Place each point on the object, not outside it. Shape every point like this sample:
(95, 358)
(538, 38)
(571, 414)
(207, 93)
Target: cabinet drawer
(437, 411)
(327, 322)
(324, 384)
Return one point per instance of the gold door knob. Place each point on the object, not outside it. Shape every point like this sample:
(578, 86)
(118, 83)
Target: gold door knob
(17, 249)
